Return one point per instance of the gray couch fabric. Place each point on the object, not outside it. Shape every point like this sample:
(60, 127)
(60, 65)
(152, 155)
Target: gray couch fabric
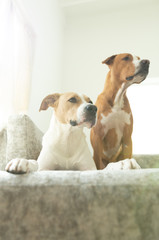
(3, 148)
(20, 139)
(91, 205)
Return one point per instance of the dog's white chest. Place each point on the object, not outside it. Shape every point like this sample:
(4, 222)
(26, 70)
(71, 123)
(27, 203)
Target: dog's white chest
(116, 120)
(65, 147)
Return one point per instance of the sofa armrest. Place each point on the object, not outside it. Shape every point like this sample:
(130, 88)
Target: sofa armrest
(24, 139)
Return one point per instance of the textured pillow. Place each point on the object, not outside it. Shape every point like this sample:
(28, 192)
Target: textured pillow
(3, 146)
(24, 139)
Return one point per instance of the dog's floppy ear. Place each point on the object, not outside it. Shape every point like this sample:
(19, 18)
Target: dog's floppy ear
(109, 60)
(49, 101)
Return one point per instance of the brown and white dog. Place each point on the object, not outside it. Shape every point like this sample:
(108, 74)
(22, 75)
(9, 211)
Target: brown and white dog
(111, 136)
(64, 145)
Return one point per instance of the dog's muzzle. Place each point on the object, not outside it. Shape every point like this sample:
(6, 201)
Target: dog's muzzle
(142, 71)
(90, 112)
(86, 116)
(144, 67)
(90, 109)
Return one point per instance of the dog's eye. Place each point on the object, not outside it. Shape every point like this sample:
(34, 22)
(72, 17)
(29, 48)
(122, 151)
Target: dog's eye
(126, 58)
(72, 100)
(90, 102)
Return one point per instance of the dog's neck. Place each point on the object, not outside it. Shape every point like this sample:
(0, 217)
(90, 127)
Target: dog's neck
(64, 137)
(115, 91)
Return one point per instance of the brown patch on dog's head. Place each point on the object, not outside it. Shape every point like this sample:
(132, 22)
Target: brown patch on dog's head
(127, 68)
(109, 60)
(49, 101)
(87, 99)
(66, 107)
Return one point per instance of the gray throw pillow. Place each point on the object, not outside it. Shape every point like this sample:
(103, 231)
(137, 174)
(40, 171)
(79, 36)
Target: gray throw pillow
(24, 139)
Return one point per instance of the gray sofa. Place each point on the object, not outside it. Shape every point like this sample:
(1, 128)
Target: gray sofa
(69, 205)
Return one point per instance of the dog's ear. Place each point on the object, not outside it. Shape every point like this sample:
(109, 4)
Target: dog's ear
(109, 60)
(49, 101)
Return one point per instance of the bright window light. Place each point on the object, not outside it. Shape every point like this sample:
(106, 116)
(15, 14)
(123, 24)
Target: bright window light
(16, 43)
(144, 100)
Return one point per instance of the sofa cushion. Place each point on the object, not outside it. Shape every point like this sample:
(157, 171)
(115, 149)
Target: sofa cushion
(23, 138)
(147, 160)
(3, 146)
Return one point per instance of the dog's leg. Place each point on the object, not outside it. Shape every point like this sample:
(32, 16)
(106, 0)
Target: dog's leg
(99, 161)
(126, 150)
(97, 150)
(21, 165)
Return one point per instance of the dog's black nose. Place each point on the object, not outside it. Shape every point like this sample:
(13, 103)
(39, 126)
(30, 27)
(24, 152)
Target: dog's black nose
(91, 108)
(145, 63)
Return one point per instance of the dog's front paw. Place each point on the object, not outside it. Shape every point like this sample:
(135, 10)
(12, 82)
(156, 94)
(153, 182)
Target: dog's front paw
(20, 165)
(123, 165)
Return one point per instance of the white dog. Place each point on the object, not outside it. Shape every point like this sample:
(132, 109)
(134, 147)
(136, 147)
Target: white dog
(64, 145)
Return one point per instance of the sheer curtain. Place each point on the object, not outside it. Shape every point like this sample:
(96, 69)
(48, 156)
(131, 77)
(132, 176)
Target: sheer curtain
(16, 55)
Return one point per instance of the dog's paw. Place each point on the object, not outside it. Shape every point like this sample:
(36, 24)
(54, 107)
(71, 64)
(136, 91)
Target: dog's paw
(17, 165)
(20, 165)
(123, 165)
